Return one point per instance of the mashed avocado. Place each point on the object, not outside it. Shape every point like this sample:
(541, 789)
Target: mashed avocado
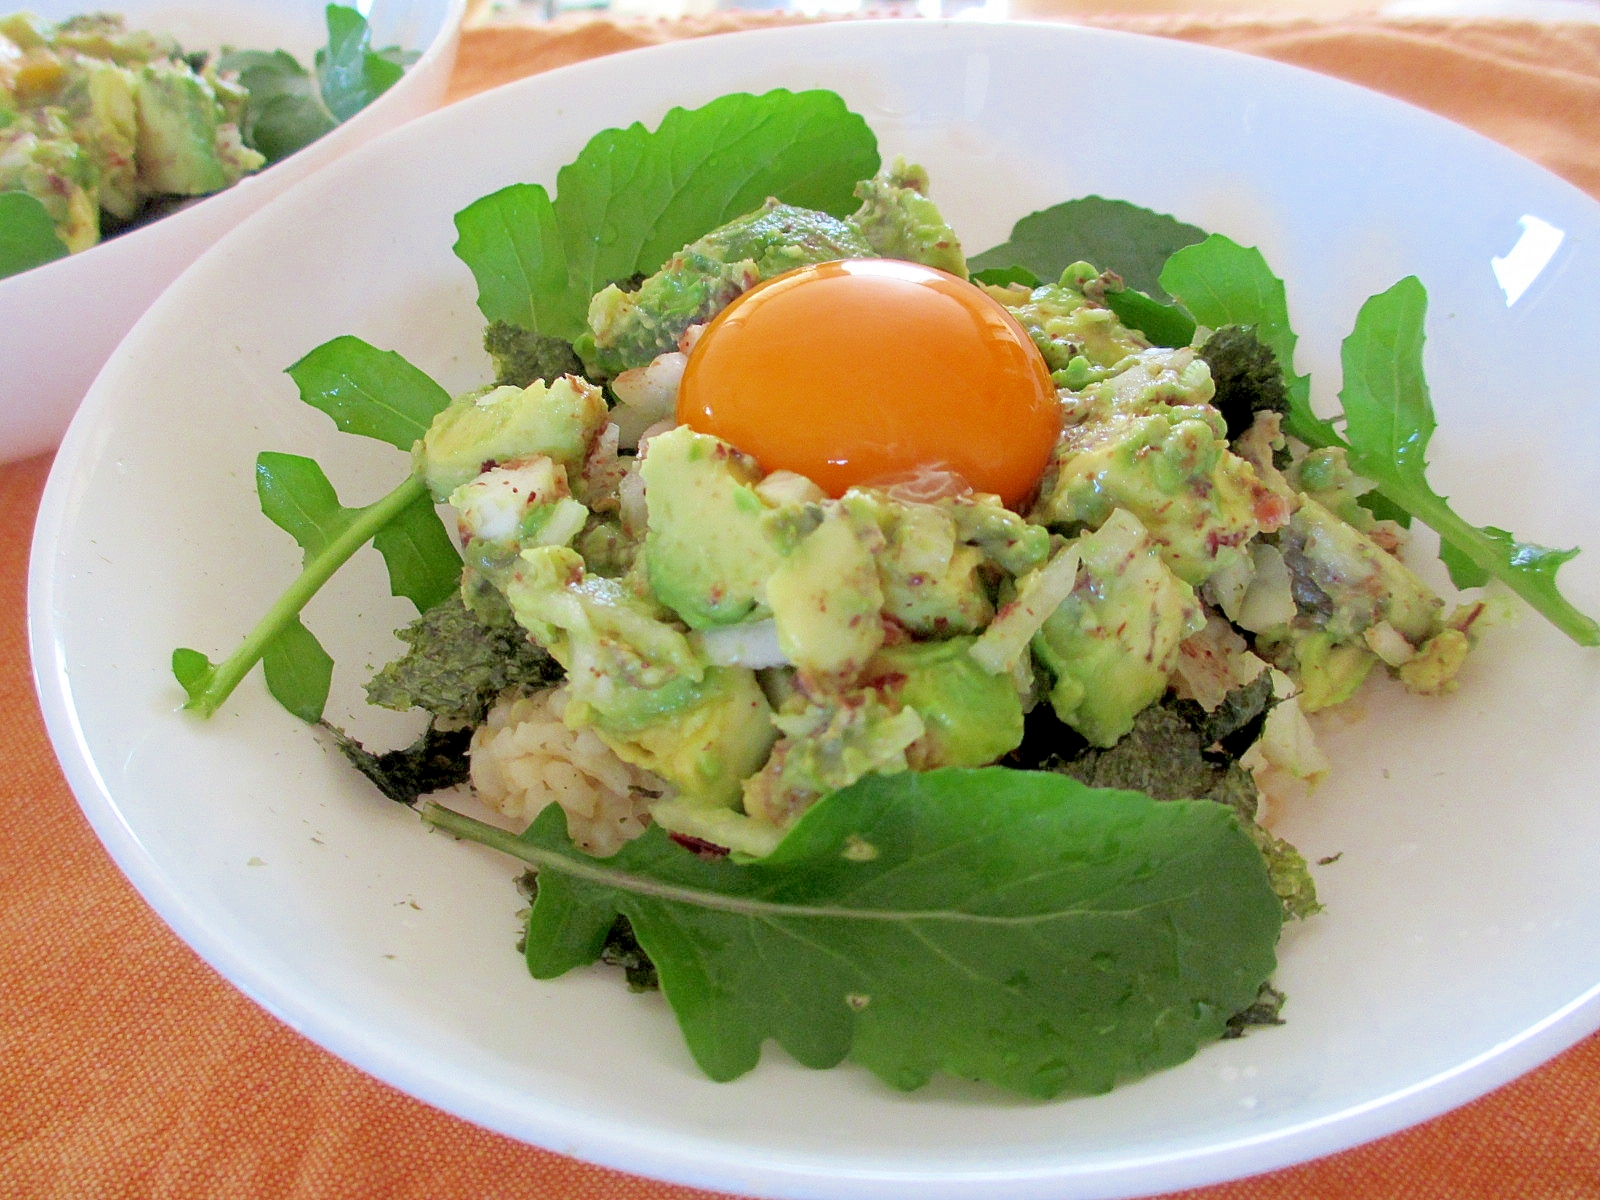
(752, 643)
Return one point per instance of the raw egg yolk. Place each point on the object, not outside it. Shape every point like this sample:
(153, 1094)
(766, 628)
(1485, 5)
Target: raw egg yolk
(868, 371)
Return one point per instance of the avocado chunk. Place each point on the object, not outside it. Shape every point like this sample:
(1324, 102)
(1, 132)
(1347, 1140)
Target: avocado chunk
(476, 431)
(39, 156)
(899, 221)
(828, 742)
(930, 579)
(969, 717)
(1146, 441)
(611, 642)
(107, 36)
(1112, 645)
(708, 551)
(629, 329)
(1344, 582)
(1324, 475)
(186, 145)
(1006, 539)
(824, 592)
(108, 129)
(1329, 672)
(702, 737)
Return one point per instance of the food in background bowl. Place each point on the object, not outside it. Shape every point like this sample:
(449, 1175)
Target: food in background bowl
(103, 127)
(64, 317)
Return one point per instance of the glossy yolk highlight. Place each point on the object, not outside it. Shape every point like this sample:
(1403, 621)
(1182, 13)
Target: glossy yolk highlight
(861, 371)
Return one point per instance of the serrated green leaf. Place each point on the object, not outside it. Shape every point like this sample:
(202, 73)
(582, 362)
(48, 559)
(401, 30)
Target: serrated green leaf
(1389, 421)
(298, 671)
(1112, 234)
(510, 241)
(1385, 509)
(371, 392)
(632, 197)
(349, 75)
(1388, 411)
(284, 111)
(1001, 276)
(27, 235)
(1223, 283)
(1163, 324)
(296, 496)
(423, 563)
(1008, 926)
(288, 107)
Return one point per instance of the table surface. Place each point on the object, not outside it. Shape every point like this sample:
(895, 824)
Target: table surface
(129, 1068)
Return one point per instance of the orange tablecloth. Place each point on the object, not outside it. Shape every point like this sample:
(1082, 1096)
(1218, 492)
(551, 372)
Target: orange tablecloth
(129, 1069)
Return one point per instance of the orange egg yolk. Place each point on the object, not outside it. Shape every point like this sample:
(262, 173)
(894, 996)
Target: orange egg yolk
(866, 371)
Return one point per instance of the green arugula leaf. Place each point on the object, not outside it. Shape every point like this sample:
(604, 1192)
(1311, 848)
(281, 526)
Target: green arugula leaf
(296, 496)
(306, 515)
(289, 107)
(647, 194)
(1389, 421)
(1224, 283)
(512, 242)
(27, 235)
(633, 197)
(298, 671)
(378, 394)
(424, 565)
(1163, 324)
(349, 75)
(284, 111)
(1007, 926)
(375, 393)
(1112, 234)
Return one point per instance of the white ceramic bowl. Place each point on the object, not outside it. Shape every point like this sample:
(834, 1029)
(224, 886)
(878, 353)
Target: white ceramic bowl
(59, 322)
(1458, 947)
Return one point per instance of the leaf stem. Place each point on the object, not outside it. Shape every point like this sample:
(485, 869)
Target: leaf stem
(1471, 541)
(319, 568)
(738, 903)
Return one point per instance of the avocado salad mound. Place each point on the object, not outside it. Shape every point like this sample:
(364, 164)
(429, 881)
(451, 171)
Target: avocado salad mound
(860, 756)
(104, 128)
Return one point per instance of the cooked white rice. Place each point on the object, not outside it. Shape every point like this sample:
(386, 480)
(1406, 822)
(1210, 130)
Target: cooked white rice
(524, 758)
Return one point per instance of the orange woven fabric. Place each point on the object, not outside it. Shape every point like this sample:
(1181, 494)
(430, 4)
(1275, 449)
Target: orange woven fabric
(129, 1069)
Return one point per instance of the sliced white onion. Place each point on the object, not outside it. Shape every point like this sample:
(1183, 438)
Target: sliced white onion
(753, 644)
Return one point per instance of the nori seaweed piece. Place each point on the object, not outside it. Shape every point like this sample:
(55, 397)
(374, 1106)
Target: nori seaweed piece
(1266, 1010)
(435, 761)
(458, 662)
(521, 356)
(1235, 724)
